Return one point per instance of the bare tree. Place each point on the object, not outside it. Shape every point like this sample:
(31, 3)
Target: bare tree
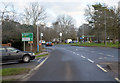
(65, 24)
(13, 12)
(4, 12)
(34, 13)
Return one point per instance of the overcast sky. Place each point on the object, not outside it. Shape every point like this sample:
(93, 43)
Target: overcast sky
(74, 8)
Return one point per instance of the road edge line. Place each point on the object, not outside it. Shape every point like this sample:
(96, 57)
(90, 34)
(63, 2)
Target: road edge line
(35, 68)
(101, 68)
(117, 79)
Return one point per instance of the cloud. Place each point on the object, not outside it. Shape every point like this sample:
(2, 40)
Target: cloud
(74, 8)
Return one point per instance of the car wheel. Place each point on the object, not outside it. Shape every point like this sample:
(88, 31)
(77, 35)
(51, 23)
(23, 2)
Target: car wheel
(26, 59)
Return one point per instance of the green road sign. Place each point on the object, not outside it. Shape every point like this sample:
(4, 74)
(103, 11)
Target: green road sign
(27, 36)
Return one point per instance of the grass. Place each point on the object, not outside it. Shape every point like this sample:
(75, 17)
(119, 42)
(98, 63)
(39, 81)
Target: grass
(41, 55)
(14, 71)
(37, 53)
(97, 44)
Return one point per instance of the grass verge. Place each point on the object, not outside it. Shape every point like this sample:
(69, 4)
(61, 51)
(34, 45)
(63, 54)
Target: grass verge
(97, 44)
(14, 71)
(41, 55)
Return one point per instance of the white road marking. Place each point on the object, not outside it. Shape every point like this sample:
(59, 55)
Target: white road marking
(77, 54)
(99, 58)
(117, 79)
(35, 68)
(76, 49)
(100, 53)
(101, 68)
(91, 60)
(110, 55)
(39, 59)
(40, 63)
(82, 56)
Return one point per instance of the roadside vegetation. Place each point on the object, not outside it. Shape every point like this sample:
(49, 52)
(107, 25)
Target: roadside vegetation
(96, 44)
(41, 55)
(14, 71)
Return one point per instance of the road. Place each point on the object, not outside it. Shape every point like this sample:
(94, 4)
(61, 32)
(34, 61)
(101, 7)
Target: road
(72, 63)
(32, 64)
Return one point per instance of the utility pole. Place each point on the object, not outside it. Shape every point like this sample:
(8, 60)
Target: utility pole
(105, 28)
(37, 39)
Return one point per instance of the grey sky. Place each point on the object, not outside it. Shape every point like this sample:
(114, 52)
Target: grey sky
(74, 8)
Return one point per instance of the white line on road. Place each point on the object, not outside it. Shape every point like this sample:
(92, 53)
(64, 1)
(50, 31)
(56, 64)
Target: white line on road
(110, 55)
(117, 79)
(35, 68)
(99, 58)
(76, 49)
(100, 53)
(77, 54)
(101, 68)
(40, 63)
(82, 56)
(39, 59)
(91, 60)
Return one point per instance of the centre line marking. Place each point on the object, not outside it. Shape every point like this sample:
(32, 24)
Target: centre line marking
(82, 56)
(110, 55)
(101, 68)
(77, 54)
(91, 60)
(100, 53)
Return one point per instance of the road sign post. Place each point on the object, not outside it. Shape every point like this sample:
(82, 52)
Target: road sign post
(27, 37)
(41, 35)
(60, 37)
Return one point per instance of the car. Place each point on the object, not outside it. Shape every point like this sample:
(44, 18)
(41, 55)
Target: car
(43, 42)
(49, 44)
(12, 54)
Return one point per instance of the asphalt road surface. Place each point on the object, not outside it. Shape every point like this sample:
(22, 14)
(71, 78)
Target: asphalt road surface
(32, 64)
(72, 63)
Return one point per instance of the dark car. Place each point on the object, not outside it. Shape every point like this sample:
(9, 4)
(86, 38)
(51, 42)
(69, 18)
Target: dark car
(13, 54)
(49, 44)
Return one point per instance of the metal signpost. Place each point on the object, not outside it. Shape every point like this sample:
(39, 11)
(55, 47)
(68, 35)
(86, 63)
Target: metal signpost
(27, 37)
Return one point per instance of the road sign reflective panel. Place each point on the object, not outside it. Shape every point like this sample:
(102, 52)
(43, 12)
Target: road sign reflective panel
(60, 34)
(27, 36)
(41, 34)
